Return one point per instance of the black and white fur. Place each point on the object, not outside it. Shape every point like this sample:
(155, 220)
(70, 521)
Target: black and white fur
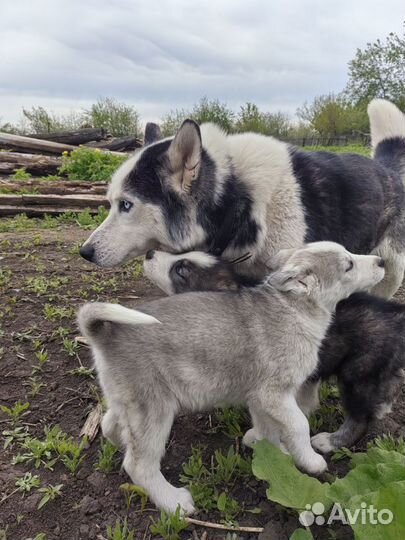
(364, 347)
(228, 194)
(193, 357)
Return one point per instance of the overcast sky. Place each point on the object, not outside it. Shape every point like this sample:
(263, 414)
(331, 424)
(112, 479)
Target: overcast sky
(163, 54)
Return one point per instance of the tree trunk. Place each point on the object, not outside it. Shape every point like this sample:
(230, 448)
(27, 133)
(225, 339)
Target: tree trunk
(119, 144)
(71, 201)
(34, 164)
(76, 137)
(56, 187)
(18, 143)
(39, 211)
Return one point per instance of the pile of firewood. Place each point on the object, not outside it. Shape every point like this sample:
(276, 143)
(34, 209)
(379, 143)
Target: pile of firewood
(41, 155)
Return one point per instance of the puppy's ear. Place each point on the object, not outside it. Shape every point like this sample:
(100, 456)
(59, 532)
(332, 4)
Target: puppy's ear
(152, 133)
(185, 156)
(280, 258)
(296, 280)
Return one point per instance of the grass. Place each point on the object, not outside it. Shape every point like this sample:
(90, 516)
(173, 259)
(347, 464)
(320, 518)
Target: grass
(348, 149)
(210, 484)
(107, 457)
(329, 414)
(168, 526)
(28, 482)
(120, 531)
(389, 443)
(85, 220)
(55, 446)
(132, 492)
(16, 412)
(50, 493)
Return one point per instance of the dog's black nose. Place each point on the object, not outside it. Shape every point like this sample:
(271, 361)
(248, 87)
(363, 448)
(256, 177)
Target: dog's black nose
(381, 263)
(150, 254)
(87, 252)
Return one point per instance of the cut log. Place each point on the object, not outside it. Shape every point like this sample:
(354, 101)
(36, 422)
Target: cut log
(76, 137)
(80, 201)
(32, 163)
(56, 187)
(18, 143)
(121, 144)
(39, 211)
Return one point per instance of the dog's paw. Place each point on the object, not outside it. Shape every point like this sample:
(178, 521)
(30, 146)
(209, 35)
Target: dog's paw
(316, 465)
(322, 443)
(283, 448)
(251, 437)
(180, 497)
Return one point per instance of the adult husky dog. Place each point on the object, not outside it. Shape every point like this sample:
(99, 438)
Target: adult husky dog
(230, 194)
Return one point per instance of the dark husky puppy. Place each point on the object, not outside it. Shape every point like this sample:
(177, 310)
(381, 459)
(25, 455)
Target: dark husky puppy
(364, 348)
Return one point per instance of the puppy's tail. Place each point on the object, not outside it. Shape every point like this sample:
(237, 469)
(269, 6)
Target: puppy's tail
(387, 126)
(91, 317)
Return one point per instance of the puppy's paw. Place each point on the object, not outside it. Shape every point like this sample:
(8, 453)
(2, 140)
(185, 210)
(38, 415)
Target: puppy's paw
(322, 443)
(251, 437)
(316, 465)
(180, 497)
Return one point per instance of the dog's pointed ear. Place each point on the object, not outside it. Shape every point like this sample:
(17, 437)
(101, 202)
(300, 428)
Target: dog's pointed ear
(185, 156)
(296, 280)
(280, 258)
(152, 133)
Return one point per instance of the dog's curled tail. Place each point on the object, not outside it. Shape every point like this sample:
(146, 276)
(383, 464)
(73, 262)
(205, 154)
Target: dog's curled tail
(387, 127)
(92, 316)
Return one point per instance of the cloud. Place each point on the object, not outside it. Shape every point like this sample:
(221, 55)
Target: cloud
(64, 54)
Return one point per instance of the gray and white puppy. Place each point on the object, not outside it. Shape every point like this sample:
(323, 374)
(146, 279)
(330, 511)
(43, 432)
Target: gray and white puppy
(195, 359)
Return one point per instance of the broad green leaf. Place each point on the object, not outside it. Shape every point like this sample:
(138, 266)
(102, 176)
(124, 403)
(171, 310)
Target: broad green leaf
(377, 455)
(302, 534)
(392, 498)
(365, 479)
(287, 485)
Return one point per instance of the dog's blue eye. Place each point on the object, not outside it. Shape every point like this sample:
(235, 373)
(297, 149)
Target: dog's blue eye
(350, 266)
(125, 206)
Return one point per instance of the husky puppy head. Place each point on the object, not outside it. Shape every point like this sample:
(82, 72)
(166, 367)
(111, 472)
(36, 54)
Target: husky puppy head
(152, 200)
(194, 271)
(325, 271)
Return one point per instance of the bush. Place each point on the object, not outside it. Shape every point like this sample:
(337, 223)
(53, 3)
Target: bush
(204, 111)
(39, 120)
(89, 164)
(250, 118)
(117, 118)
(333, 115)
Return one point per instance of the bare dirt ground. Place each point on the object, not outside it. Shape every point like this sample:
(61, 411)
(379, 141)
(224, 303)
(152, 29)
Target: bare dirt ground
(42, 282)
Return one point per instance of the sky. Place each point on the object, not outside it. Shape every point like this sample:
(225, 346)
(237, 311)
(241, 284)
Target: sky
(166, 54)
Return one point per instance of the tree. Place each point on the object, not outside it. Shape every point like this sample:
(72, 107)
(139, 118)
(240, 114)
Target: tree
(334, 115)
(378, 71)
(250, 118)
